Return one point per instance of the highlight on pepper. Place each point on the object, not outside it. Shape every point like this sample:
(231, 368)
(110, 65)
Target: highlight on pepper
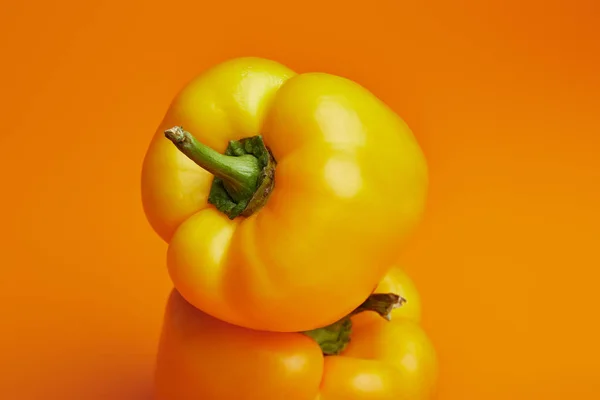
(284, 197)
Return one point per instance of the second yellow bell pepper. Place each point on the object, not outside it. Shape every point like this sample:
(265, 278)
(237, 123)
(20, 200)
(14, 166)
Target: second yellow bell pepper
(200, 357)
(284, 197)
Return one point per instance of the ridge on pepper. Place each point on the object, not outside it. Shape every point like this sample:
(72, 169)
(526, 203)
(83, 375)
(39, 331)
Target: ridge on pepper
(284, 197)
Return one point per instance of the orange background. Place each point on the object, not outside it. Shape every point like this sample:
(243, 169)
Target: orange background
(503, 96)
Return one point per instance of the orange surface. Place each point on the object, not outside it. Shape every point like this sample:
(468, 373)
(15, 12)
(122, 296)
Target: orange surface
(504, 97)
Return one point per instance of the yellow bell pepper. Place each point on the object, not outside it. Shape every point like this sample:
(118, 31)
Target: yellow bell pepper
(200, 357)
(284, 197)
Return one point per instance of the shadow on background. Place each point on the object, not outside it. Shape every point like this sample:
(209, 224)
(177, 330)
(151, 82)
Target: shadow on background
(97, 380)
(134, 383)
(132, 387)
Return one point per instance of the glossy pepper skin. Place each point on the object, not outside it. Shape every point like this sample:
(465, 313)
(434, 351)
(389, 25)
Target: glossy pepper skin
(201, 357)
(349, 185)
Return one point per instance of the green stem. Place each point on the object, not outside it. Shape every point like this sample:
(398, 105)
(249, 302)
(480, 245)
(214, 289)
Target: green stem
(333, 339)
(381, 303)
(244, 175)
